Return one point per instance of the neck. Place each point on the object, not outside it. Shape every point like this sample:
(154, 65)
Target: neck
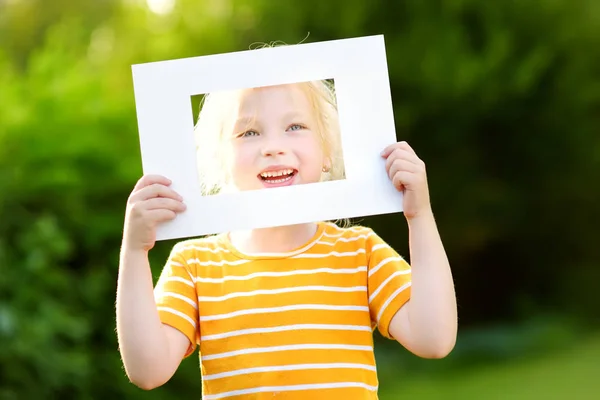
(273, 240)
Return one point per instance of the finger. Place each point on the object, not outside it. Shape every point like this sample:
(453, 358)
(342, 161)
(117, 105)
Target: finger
(411, 155)
(400, 165)
(161, 215)
(399, 145)
(393, 156)
(402, 179)
(408, 154)
(388, 150)
(406, 146)
(162, 203)
(155, 190)
(148, 180)
(401, 154)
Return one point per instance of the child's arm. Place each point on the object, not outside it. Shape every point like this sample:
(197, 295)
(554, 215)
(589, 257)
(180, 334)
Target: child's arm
(427, 324)
(151, 351)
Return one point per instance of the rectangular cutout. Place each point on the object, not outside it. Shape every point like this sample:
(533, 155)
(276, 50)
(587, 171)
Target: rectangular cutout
(294, 121)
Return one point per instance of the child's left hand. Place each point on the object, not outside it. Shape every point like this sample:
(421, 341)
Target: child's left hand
(407, 172)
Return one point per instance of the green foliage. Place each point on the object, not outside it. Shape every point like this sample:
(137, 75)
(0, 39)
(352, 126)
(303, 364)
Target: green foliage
(496, 344)
(500, 99)
(569, 372)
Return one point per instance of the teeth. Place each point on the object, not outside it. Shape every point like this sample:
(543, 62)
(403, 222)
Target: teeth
(280, 180)
(272, 174)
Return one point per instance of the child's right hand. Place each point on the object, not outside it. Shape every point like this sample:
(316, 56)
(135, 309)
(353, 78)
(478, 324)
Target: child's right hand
(150, 203)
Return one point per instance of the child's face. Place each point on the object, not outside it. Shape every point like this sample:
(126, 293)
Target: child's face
(275, 141)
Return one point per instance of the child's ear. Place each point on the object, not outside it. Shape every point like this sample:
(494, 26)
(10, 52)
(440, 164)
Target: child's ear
(327, 164)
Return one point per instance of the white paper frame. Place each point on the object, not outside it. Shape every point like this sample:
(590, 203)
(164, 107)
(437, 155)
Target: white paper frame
(163, 92)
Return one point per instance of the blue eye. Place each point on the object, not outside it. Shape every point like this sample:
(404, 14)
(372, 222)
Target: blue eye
(296, 127)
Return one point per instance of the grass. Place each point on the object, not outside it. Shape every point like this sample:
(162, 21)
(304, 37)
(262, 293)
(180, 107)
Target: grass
(573, 374)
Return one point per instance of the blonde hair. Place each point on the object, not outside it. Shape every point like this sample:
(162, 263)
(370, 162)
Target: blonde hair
(216, 122)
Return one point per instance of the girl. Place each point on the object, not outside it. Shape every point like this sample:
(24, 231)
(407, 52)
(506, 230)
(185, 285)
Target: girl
(285, 312)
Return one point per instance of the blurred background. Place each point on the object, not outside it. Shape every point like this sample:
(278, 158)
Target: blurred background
(500, 98)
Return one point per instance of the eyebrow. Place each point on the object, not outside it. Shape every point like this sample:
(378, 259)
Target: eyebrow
(288, 115)
(296, 115)
(244, 120)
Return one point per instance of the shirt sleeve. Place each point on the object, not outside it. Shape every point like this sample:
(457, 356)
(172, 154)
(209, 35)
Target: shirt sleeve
(176, 298)
(389, 282)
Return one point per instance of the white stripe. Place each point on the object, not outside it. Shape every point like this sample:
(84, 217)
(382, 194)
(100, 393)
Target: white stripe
(294, 307)
(263, 389)
(273, 349)
(343, 239)
(382, 263)
(284, 290)
(332, 253)
(392, 297)
(380, 246)
(286, 328)
(285, 273)
(337, 235)
(294, 367)
(179, 279)
(178, 313)
(216, 263)
(211, 250)
(177, 264)
(180, 297)
(395, 274)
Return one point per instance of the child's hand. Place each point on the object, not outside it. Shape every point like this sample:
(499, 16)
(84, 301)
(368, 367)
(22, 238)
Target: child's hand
(150, 203)
(407, 172)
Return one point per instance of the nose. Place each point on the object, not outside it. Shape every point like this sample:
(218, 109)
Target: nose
(273, 145)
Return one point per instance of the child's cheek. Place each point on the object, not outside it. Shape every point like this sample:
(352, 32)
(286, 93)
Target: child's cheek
(243, 168)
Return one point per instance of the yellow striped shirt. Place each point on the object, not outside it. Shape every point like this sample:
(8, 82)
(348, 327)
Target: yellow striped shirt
(285, 326)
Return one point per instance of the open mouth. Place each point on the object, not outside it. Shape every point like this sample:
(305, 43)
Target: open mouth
(278, 177)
